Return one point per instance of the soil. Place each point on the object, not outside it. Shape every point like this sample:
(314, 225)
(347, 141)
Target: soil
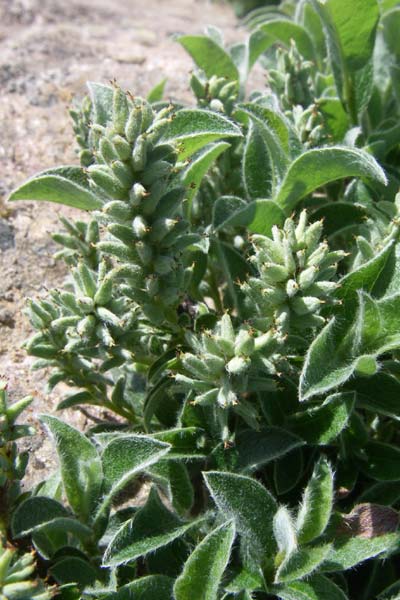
(48, 50)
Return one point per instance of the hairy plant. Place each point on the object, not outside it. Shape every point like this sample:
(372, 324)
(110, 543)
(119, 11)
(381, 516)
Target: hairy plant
(233, 302)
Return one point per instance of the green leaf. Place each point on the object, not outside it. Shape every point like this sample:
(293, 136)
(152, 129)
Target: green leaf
(322, 425)
(204, 568)
(123, 458)
(102, 102)
(225, 209)
(326, 365)
(316, 505)
(63, 185)
(256, 165)
(364, 277)
(152, 587)
(390, 593)
(288, 471)
(386, 493)
(73, 569)
(343, 348)
(209, 56)
(390, 26)
(302, 563)
(278, 137)
(192, 129)
(199, 166)
(349, 552)
(258, 448)
(383, 461)
(350, 29)
(336, 120)
(339, 217)
(317, 587)
(249, 504)
(317, 167)
(157, 92)
(371, 397)
(153, 527)
(258, 216)
(173, 477)
(186, 442)
(80, 465)
(38, 513)
(282, 31)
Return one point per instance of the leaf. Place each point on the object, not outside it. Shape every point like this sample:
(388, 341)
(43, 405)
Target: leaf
(288, 471)
(192, 129)
(153, 527)
(185, 442)
(369, 394)
(277, 136)
(349, 552)
(339, 217)
(124, 457)
(199, 166)
(325, 366)
(383, 461)
(343, 348)
(317, 167)
(173, 476)
(258, 216)
(386, 493)
(258, 448)
(80, 465)
(152, 587)
(249, 504)
(37, 513)
(390, 593)
(316, 505)
(364, 277)
(73, 569)
(209, 56)
(157, 92)
(283, 31)
(302, 563)
(322, 425)
(63, 185)
(350, 29)
(317, 587)
(256, 165)
(224, 209)
(336, 120)
(204, 568)
(102, 101)
(390, 26)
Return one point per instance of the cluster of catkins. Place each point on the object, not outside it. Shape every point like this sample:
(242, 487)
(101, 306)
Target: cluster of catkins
(130, 274)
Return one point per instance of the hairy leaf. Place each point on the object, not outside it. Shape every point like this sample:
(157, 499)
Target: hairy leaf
(63, 185)
(192, 129)
(153, 527)
(81, 469)
(204, 568)
(316, 504)
(315, 168)
(248, 503)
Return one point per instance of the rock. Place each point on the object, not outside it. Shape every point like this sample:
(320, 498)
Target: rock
(7, 237)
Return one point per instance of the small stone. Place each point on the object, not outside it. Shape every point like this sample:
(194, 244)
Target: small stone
(6, 318)
(7, 237)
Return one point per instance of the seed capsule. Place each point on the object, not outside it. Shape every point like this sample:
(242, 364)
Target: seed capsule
(120, 110)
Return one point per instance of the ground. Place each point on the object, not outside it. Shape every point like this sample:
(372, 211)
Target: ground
(48, 50)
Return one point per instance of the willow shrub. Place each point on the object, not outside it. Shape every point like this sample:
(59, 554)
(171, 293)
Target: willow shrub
(233, 302)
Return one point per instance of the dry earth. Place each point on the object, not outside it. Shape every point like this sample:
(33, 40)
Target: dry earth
(48, 50)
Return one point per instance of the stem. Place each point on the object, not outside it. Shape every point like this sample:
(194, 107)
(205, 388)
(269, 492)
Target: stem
(227, 273)
(349, 93)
